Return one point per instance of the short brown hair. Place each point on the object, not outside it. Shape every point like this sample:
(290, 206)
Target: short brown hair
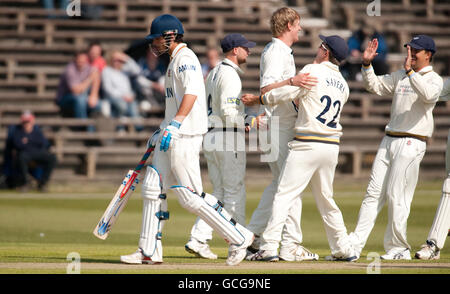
(280, 20)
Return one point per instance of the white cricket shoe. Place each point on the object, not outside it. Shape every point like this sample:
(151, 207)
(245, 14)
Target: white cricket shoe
(199, 249)
(297, 253)
(138, 258)
(237, 253)
(429, 251)
(264, 255)
(404, 254)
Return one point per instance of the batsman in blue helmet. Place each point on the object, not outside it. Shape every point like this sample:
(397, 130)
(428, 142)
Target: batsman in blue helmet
(178, 142)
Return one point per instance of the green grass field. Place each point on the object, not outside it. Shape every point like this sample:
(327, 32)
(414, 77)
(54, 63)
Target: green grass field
(38, 231)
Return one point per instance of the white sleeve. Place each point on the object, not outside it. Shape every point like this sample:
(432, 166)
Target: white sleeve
(278, 95)
(189, 73)
(272, 69)
(428, 89)
(230, 92)
(380, 85)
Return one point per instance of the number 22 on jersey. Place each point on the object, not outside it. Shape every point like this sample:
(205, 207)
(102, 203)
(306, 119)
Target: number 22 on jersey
(336, 107)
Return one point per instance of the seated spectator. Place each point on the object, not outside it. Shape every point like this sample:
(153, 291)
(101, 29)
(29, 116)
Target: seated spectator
(117, 88)
(150, 82)
(78, 90)
(212, 59)
(26, 150)
(96, 59)
(357, 44)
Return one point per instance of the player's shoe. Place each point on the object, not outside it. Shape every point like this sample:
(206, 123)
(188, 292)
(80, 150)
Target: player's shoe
(237, 253)
(403, 254)
(297, 253)
(338, 258)
(255, 246)
(199, 249)
(137, 258)
(264, 255)
(429, 251)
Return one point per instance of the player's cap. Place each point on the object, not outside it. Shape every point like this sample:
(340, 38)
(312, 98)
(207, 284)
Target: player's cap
(26, 116)
(235, 40)
(422, 42)
(163, 24)
(337, 45)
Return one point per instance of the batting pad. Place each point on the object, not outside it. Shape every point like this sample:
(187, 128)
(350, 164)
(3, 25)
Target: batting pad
(208, 208)
(441, 223)
(153, 216)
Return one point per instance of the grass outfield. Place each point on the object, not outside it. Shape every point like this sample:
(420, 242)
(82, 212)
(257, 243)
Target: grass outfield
(38, 231)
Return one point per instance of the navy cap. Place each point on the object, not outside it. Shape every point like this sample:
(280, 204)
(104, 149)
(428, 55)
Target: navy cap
(163, 24)
(422, 42)
(337, 45)
(235, 40)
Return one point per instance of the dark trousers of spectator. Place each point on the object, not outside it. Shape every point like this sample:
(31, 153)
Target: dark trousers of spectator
(42, 158)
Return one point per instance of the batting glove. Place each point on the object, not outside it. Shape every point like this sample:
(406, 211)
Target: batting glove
(170, 133)
(154, 138)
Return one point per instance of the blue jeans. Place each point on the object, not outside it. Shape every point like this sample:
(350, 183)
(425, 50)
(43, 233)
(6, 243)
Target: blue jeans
(120, 108)
(78, 106)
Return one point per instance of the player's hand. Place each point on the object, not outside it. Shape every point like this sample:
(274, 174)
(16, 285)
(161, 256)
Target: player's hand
(407, 64)
(250, 99)
(154, 138)
(170, 134)
(250, 122)
(262, 121)
(371, 51)
(304, 80)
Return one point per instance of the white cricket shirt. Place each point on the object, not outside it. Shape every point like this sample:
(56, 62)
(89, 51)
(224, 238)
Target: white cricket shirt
(276, 65)
(184, 76)
(414, 98)
(223, 94)
(320, 108)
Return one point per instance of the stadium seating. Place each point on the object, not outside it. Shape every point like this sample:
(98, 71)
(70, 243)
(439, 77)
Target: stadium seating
(34, 49)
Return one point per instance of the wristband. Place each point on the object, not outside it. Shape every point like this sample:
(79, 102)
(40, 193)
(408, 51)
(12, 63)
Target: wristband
(366, 64)
(291, 81)
(409, 72)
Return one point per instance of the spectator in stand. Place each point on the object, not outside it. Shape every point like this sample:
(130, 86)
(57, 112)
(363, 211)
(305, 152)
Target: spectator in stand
(212, 59)
(117, 87)
(150, 82)
(78, 90)
(357, 43)
(96, 59)
(26, 149)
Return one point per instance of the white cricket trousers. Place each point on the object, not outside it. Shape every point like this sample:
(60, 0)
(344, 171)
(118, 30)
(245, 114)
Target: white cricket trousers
(226, 169)
(315, 163)
(180, 165)
(394, 176)
(441, 223)
(291, 232)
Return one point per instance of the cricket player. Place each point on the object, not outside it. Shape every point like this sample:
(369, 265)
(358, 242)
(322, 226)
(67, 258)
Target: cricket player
(277, 68)
(441, 223)
(313, 154)
(224, 144)
(395, 170)
(177, 148)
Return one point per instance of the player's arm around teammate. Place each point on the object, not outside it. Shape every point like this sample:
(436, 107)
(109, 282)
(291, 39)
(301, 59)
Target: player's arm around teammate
(224, 144)
(441, 223)
(395, 170)
(313, 153)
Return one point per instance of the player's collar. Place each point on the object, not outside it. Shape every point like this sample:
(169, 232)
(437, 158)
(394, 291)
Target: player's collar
(330, 65)
(283, 45)
(426, 70)
(177, 50)
(233, 65)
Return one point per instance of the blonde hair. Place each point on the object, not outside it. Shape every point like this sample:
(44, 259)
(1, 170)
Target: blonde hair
(280, 20)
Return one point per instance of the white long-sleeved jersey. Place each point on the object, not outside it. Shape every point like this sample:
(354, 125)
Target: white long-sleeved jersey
(184, 76)
(276, 65)
(223, 94)
(319, 108)
(414, 97)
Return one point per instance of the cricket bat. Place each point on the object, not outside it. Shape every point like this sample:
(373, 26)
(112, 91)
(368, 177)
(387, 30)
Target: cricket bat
(120, 199)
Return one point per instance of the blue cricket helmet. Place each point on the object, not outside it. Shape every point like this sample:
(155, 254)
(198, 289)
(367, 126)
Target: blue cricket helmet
(165, 23)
